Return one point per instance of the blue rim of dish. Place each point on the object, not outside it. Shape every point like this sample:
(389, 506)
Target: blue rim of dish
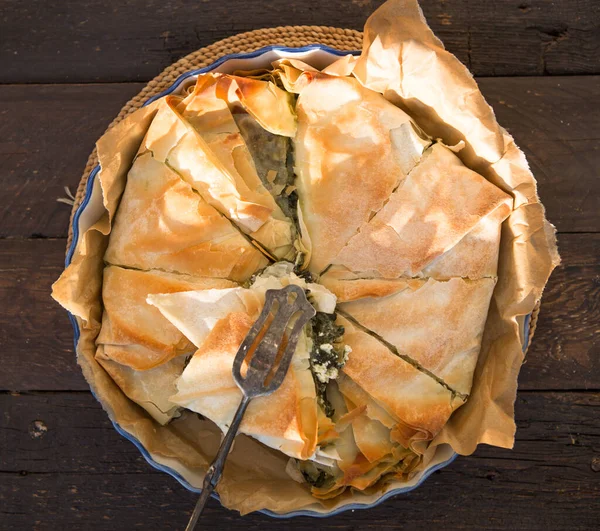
(76, 332)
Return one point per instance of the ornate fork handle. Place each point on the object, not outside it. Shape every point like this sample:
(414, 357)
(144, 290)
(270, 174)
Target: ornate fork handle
(214, 472)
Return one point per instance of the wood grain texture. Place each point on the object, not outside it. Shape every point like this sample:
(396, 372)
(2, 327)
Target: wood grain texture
(48, 131)
(556, 122)
(46, 135)
(565, 353)
(532, 37)
(72, 470)
(36, 336)
(92, 40)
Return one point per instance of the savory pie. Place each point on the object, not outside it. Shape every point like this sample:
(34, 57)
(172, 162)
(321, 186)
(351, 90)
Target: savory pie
(293, 176)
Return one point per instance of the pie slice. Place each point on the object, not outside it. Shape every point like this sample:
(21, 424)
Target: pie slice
(285, 420)
(150, 389)
(221, 171)
(475, 256)
(438, 325)
(440, 205)
(209, 110)
(353, 148)
(415, 406)
(163, 224)
(134, 333)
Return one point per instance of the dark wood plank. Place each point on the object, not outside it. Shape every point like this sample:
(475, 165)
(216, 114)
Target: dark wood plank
(46, 135)
(135, 40)
(36, 336)
(565, 352)
(533, 37)
(71, 469)
(555, 120)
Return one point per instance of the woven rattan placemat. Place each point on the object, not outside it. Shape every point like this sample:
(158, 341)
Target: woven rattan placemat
(291, 36)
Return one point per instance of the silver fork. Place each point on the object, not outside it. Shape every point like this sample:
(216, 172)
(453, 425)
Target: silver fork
(267, 360)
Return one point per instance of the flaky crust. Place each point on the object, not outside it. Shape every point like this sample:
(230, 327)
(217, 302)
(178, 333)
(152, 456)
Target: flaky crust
(213, 159)
(217, 321)
(432, 210)
(476, 254)
(437, 324)
(209, 110)
(133, 332)
(150, 389)
(163, 224)
(411, 397)
(281, 420)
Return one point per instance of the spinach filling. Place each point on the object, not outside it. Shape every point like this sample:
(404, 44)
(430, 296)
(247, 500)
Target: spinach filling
(274, 161)
(315, 476)
(328, 355)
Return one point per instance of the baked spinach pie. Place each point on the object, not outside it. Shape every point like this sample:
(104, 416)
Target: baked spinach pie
(290, 175)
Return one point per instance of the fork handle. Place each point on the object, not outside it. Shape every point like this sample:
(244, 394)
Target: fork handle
(213, 474)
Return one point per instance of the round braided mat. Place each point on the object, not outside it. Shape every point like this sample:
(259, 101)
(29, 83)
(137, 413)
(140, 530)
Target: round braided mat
(291, 36)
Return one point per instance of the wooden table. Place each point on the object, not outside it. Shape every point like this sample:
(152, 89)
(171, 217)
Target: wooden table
(66, 68)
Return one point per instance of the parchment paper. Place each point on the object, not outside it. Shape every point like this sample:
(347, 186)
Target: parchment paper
(402, 59)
